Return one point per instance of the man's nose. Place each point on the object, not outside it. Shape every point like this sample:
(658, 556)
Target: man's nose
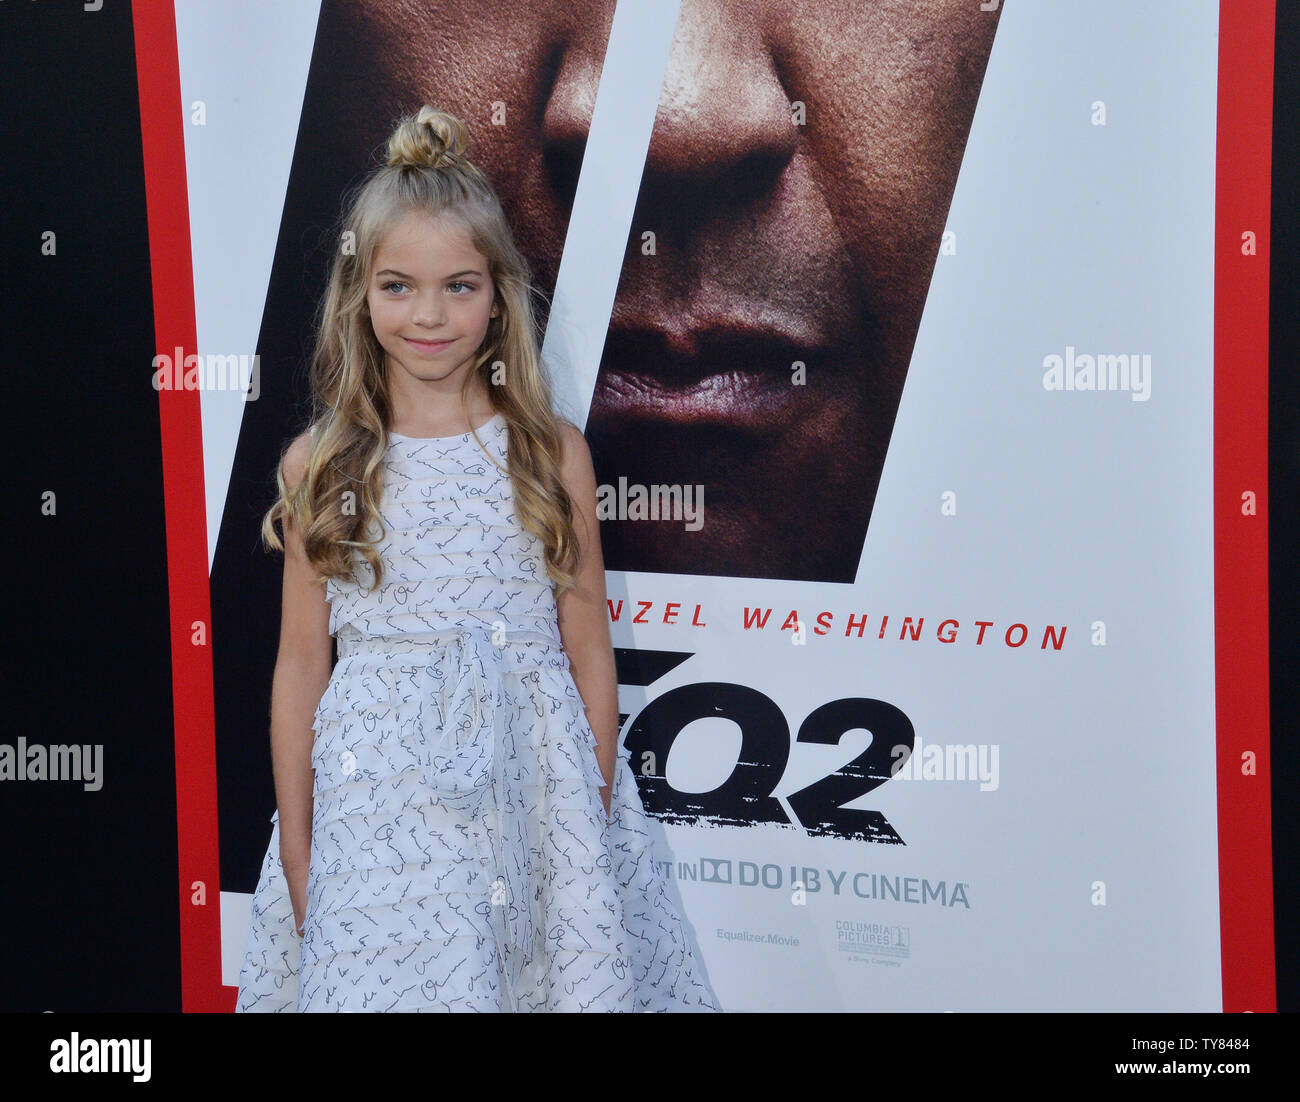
(724, 120)
(724, 125)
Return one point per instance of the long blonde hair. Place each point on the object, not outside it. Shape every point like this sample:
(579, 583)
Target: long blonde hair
(426, 171)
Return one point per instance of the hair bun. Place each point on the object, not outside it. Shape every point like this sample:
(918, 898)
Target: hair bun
(428, 139)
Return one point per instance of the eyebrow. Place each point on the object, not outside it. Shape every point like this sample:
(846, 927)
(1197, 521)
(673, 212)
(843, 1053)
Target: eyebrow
(403, 275)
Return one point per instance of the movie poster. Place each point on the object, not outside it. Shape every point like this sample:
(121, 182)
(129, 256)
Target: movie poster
(890, 326)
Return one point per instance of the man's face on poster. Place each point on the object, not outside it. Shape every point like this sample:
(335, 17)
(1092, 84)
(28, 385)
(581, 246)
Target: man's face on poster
(794, 196)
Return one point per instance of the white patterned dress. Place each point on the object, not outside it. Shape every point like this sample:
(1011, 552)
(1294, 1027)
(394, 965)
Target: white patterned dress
(460, 856)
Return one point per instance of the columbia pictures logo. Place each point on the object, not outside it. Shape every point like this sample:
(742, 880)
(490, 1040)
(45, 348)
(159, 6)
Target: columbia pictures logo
(876, 942)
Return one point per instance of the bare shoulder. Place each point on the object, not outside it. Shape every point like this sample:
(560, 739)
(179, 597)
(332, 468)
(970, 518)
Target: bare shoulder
(576, 458)
(295, 460)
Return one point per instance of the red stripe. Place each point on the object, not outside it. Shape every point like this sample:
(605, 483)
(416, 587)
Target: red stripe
(1243, 182)
(162, 120)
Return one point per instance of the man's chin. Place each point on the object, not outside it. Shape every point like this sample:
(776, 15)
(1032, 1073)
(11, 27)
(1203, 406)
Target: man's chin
(723, 547)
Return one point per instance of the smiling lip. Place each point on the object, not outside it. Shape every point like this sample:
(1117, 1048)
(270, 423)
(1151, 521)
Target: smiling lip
(428, 346)
(734, 376)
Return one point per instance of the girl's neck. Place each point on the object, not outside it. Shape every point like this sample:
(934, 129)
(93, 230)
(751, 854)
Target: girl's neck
(430, 421)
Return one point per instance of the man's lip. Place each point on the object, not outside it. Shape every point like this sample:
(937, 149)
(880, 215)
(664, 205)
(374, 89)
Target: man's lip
(737, 376)
(684, 349)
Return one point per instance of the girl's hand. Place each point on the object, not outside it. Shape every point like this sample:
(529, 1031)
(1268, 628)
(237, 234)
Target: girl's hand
(295, 875)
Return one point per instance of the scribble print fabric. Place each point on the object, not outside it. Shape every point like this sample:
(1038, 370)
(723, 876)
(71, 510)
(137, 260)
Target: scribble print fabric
(461, 859)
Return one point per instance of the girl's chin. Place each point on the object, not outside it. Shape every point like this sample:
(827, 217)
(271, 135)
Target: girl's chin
(425, 372)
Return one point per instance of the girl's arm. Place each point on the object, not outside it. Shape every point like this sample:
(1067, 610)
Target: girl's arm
(583, 615)
(302, 673)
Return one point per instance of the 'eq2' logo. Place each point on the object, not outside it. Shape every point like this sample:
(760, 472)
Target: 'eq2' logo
(745, 797)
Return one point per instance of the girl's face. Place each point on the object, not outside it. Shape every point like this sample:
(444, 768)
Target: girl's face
(430, 298)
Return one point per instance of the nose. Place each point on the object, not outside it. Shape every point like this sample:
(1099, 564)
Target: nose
(428, 311)
(724, 126)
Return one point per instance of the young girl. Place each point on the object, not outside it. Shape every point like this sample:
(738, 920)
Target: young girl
(456, 826)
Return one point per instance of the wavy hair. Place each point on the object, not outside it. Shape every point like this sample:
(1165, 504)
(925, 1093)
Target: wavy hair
(426, 170)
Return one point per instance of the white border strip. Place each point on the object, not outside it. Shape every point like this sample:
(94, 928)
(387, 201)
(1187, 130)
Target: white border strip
(631, 81)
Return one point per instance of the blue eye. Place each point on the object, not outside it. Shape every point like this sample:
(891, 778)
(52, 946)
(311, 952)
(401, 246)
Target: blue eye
(469, 287)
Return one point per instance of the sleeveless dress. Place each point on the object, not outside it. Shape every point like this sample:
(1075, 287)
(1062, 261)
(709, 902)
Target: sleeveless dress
(461, 858)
